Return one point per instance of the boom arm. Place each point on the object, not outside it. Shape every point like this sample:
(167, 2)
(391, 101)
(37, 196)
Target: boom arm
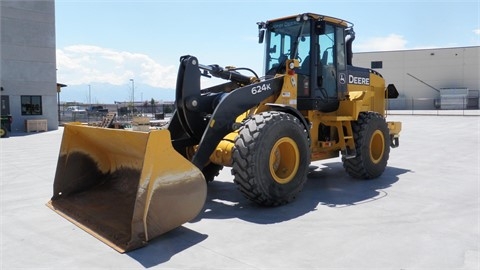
(204, 119)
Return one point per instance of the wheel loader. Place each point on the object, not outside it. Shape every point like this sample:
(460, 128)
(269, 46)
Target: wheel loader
(128, 187)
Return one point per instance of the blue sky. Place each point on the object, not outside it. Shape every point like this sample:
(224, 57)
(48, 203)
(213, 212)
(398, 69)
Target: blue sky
(106, 43)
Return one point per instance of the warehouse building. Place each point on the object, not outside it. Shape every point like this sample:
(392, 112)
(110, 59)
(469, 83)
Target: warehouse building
(28, 64)
(442, 78)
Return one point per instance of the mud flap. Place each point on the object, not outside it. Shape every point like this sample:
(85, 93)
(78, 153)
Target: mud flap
(125, 187)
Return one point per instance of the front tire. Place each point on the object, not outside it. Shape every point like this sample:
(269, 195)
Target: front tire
(371, 136)
(271, 158)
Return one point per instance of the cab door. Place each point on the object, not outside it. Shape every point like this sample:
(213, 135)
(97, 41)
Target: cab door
(326, 61)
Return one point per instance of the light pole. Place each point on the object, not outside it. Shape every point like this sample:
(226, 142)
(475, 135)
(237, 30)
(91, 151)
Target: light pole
(89, 96)
(133, 95)
(89, 103)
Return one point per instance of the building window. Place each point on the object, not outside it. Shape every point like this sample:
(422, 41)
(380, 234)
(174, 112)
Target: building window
(31, 105)
(377, 64)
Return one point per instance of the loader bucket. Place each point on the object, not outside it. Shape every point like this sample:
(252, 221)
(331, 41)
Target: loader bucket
(125, 187)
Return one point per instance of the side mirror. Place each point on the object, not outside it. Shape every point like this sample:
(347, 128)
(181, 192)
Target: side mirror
(261, 31)
(391, 92)
(261, 35)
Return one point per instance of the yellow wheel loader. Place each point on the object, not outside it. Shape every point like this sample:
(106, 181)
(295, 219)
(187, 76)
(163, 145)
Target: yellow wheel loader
(127, 187)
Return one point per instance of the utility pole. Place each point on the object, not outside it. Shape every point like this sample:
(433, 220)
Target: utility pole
(133, 96)
(87, 111)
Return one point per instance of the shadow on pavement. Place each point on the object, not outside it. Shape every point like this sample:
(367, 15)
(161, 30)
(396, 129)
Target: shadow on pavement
(163, 248)
(328, 186)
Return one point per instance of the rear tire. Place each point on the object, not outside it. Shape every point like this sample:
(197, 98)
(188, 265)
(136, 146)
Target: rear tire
(3, 132)
(372, 144)
(271, 158)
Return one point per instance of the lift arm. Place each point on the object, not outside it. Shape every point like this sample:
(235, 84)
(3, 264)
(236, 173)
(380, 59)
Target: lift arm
(204, 119)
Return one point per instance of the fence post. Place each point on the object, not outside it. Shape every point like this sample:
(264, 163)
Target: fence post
(413, 112)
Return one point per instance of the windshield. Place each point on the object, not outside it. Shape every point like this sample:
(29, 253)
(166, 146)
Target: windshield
(287, 39)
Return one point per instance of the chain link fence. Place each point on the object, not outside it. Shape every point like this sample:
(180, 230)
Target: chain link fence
(159, 114)
(433, 106)
(125, 112)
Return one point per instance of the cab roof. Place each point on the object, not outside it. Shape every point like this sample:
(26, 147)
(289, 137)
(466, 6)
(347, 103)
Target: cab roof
(318, 17)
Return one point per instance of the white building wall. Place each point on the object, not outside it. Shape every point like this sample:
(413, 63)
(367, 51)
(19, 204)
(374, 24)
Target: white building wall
(28, 61)
(414, 71)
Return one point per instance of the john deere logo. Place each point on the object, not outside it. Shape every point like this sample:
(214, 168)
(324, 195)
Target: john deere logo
(342, 78)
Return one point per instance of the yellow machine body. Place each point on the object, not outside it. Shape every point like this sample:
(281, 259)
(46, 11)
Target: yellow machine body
(360, 98)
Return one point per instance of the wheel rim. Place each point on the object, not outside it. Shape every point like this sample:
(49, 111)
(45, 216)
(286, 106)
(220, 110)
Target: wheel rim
(377, 146)
(2, 132)
(284, 160)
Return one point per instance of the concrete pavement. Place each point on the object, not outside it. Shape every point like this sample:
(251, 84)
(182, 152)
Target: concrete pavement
(423, 213)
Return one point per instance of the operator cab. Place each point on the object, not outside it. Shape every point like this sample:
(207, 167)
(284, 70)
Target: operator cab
(318, 43)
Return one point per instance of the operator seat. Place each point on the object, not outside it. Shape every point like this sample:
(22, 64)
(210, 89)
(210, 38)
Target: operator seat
(305, 67)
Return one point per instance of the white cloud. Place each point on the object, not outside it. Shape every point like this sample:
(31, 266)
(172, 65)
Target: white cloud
(477, 31)
(84, 64)
(389, 43)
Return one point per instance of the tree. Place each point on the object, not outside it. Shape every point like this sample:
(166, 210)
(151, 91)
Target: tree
(152, 102)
